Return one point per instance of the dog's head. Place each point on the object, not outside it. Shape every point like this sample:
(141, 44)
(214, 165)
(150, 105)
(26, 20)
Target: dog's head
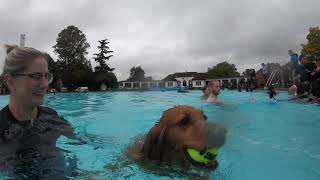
(179, 129)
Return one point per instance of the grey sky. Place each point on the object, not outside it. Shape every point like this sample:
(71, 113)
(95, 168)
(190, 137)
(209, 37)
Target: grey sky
(167, 36)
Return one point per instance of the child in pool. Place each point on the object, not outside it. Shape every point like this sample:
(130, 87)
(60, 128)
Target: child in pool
(272, 92)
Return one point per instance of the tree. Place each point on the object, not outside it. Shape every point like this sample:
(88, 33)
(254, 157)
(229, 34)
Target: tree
(3, 86)
(286, 72)
(51, 63)
(136, 74)
(249, 72)
(223, 69)
(282, 76)
(52, 69)
(103, 73)
(312, 48)
(103, 56)
(72, 65)
(107, 78)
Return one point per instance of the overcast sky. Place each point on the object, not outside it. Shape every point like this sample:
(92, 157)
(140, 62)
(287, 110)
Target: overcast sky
(167, 36)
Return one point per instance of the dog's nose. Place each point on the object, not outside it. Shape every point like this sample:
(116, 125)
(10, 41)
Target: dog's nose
(216, 134)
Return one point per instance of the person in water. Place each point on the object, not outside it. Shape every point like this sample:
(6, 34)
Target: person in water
(272, 92)
(29, 131)
(214, 91)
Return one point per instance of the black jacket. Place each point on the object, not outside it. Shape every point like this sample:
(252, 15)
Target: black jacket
(28, 148)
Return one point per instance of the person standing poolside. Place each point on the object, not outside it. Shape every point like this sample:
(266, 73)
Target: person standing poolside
(29, 131)
(294, 59)
(309, 77)
(214, 91)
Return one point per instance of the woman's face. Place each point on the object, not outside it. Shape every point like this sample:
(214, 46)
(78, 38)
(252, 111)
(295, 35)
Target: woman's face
(31, 85)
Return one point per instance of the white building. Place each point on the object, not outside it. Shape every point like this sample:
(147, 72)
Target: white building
(190, 80)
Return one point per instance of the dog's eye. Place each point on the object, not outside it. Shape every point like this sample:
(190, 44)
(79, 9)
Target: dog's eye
(185, 121)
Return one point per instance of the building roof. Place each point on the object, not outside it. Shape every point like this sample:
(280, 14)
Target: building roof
(170, 77)
(201, 76)
(185, 74)
(126, 81)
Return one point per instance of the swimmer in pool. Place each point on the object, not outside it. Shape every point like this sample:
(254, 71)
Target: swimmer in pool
(272, 92)
(29, 131)
(214, 91)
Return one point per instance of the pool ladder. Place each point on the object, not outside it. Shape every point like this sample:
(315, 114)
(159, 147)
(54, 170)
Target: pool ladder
(271, 77)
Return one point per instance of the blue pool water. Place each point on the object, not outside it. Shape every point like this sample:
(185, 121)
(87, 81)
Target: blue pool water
(266, 139)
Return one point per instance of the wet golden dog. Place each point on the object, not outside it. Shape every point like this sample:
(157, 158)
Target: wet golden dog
(179, 129)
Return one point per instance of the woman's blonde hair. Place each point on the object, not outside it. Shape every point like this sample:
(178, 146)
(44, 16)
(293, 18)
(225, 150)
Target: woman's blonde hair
(18, 58)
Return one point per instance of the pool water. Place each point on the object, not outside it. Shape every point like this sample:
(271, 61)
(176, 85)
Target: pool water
(266, 139)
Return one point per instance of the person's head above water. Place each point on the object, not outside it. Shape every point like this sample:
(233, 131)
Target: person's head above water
(215, 87)
(272, 91)
(28, 130)
(27, 77)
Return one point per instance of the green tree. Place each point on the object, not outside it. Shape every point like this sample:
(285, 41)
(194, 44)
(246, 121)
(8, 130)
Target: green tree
(136, 74)
(312, 47)
(82, 74)
(286, 72)
(3, 86)
(51, 63)
(103, 56)
(108, 78)
(282, 76)
(72, 66)
(1, 78)
(223, 69)
(2, 83)
(52, 69)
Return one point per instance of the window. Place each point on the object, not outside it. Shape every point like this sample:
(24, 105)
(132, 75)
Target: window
(161, 84)
(127, 85)
(153, 85)
(198, 83)
(170, 84)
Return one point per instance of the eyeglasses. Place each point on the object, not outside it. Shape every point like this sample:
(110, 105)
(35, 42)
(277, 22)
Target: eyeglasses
(38, 76)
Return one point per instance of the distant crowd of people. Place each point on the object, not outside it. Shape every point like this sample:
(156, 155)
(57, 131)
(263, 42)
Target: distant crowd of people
(249, 84)
(306, 77)
(303, 80)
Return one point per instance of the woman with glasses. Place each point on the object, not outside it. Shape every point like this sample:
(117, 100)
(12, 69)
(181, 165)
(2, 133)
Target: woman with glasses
(29, 131)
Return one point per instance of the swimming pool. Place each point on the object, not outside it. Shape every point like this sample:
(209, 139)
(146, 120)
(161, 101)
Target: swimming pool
(266, 139)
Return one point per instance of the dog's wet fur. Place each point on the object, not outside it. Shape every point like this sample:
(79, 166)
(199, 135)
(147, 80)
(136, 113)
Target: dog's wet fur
(179, 128)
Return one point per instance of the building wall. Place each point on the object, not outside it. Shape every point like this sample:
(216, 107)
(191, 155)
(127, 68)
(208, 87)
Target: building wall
(187, 79)
(198, 83)
(170, 84)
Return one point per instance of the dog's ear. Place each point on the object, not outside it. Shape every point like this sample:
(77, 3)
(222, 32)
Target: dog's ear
(154, 143)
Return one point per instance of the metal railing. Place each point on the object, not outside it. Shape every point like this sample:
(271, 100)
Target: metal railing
(270, 79)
